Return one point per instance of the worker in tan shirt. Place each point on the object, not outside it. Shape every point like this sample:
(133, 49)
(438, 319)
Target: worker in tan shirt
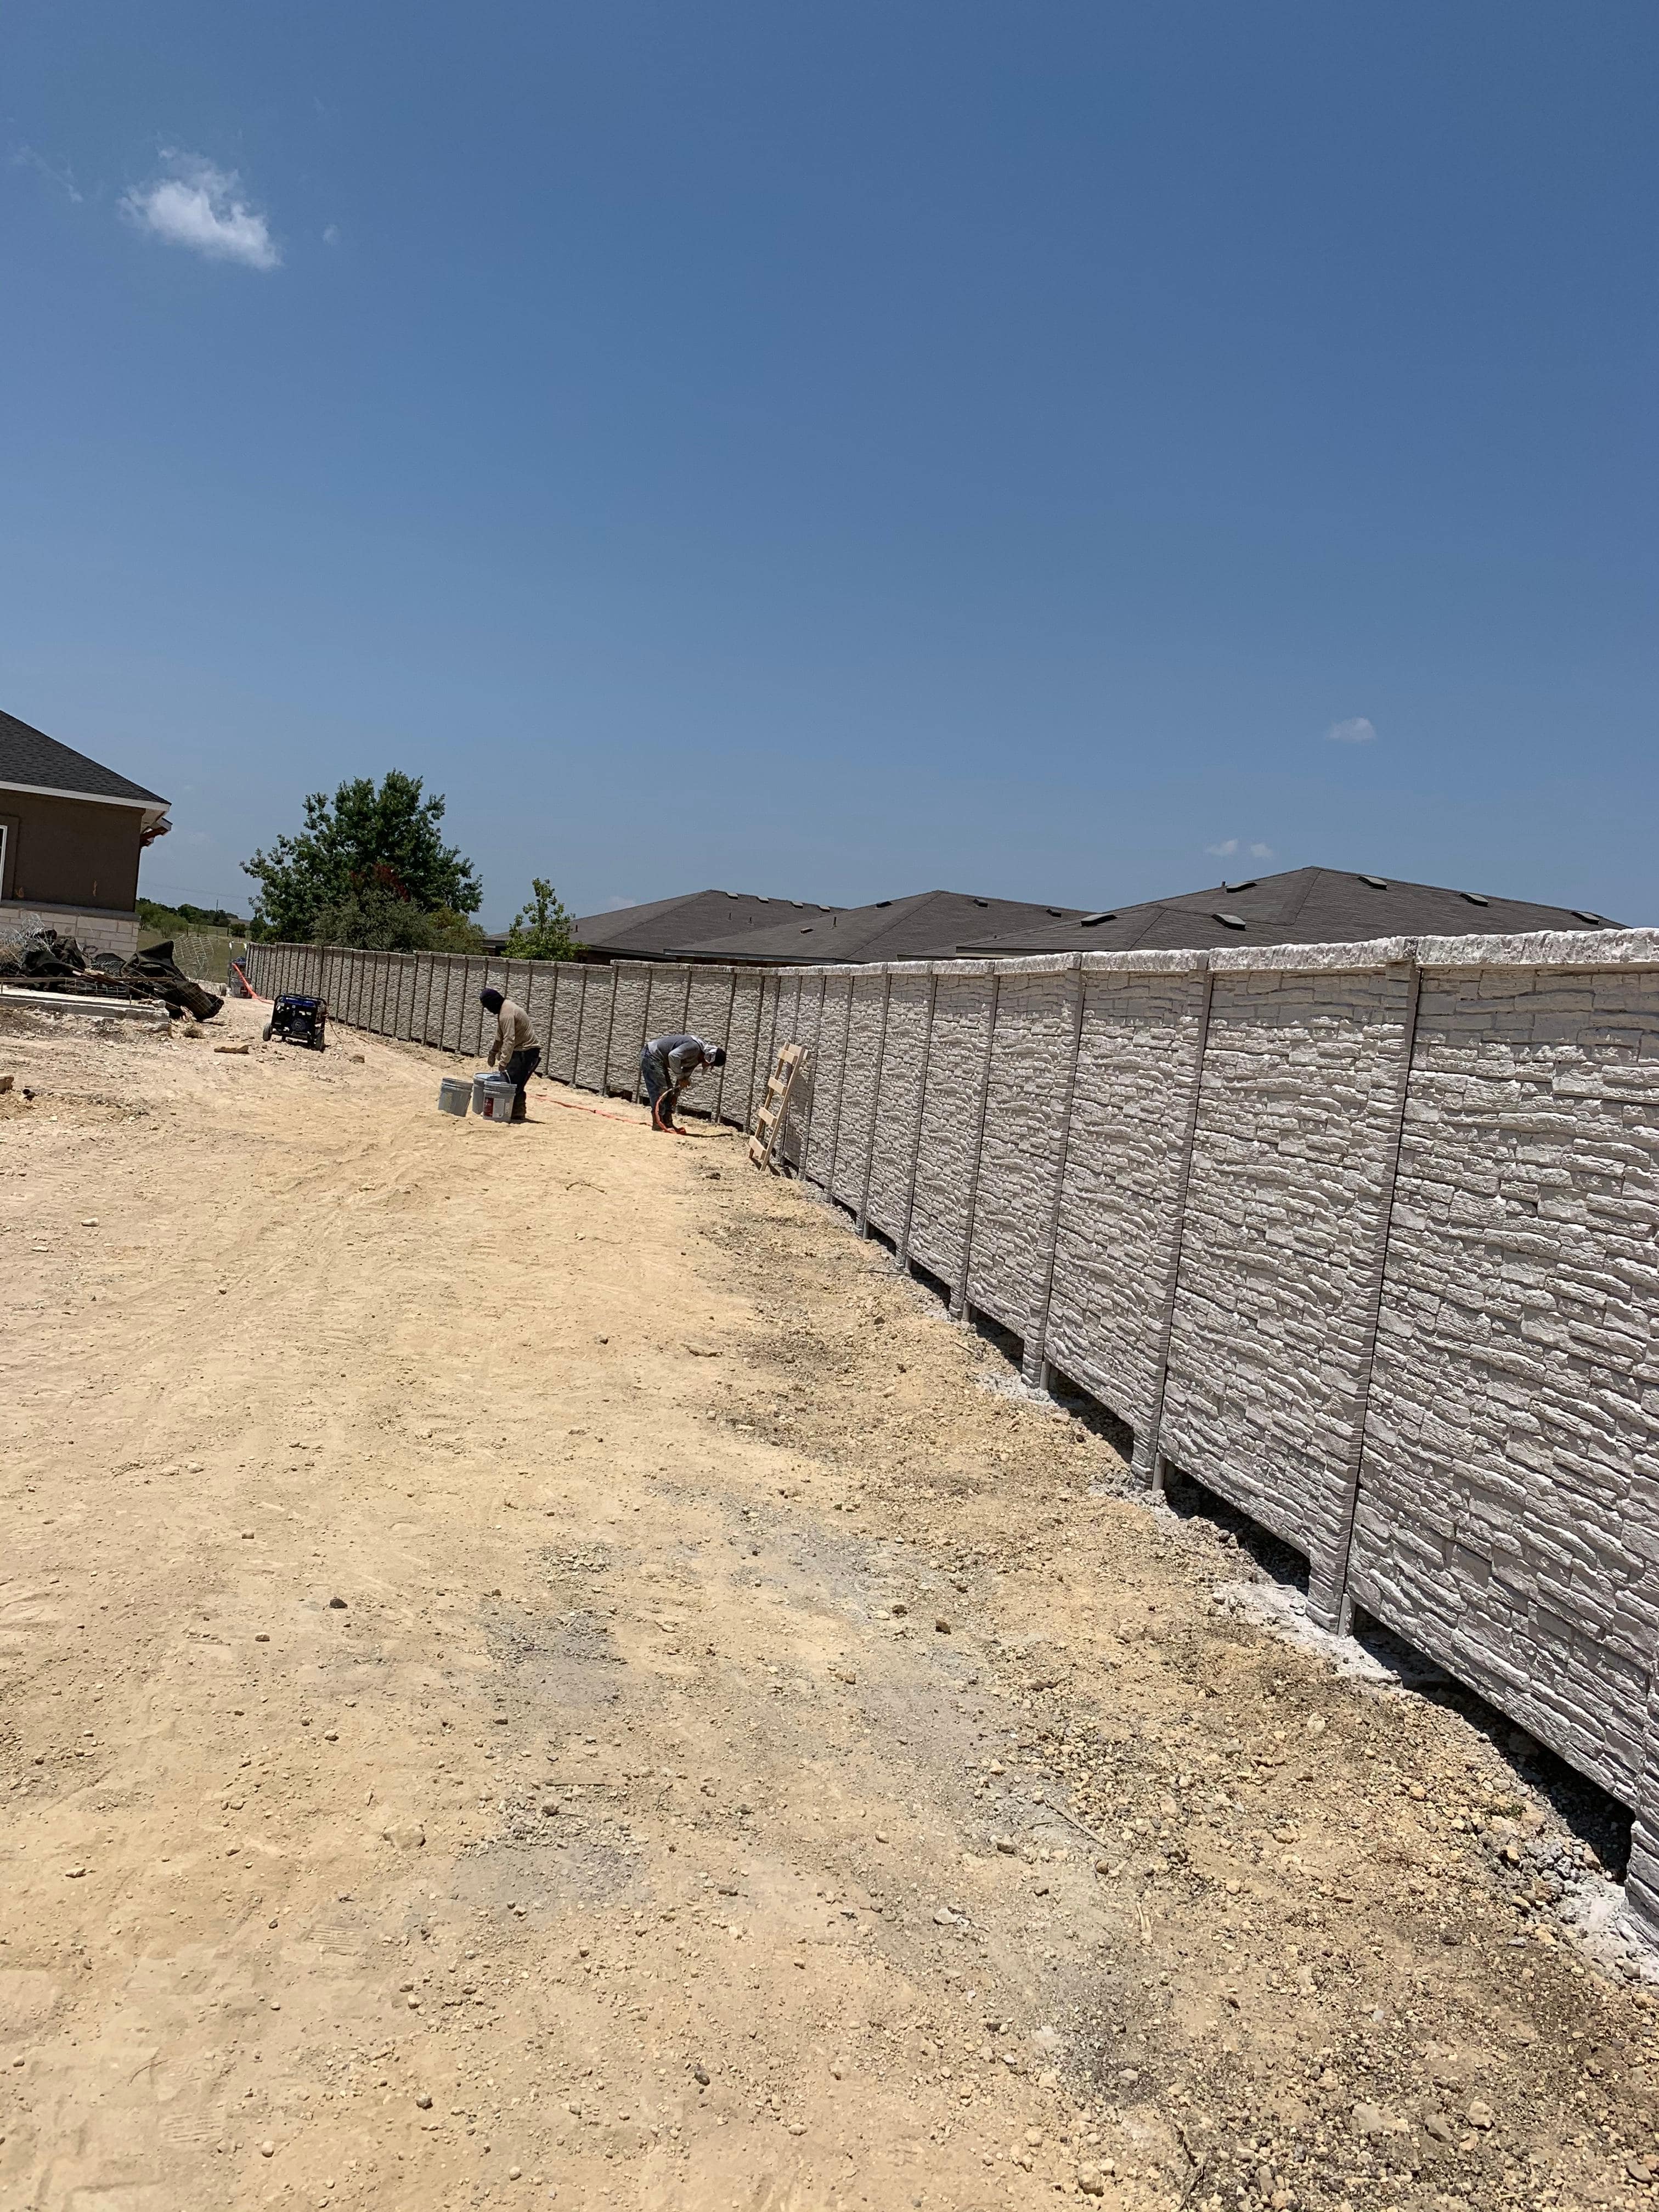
(515, 1051)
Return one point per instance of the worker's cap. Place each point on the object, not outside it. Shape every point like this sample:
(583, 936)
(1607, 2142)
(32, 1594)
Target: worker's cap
(717, 1058)
(491, 997)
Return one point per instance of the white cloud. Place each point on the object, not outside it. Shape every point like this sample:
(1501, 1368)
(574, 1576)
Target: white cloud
(331, 234)
(1229, 846)
(26, 158)
(1357, 730)
(200, 206)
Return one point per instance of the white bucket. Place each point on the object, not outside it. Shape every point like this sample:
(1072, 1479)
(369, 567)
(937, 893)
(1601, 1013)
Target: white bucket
(454, 1095)
(492, 1099)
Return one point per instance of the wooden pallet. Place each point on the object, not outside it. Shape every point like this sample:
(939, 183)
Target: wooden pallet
(773, 1106)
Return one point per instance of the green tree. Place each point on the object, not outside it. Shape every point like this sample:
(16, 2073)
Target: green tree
(375, 920)
(542, 930)
(363, 855)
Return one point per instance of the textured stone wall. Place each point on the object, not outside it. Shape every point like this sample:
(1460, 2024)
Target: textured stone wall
(806, 1011)
(957, 1061)
(825, 1072)
(1020, 1151)
(1509, 1508)
(1296, 1110)
(1364, 1238)
(595, 1044)
(570, 982)
(741, 1047)
(907, 1006)
(1118, 1211)
(636, 1017)
(858, 1089)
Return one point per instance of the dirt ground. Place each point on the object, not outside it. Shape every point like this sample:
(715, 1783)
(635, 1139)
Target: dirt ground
(533, 1668)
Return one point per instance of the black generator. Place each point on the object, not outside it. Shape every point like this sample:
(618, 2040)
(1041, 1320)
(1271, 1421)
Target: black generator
(298, 1021)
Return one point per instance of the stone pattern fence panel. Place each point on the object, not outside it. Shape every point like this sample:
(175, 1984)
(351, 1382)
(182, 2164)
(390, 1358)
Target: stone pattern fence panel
(1364, 1239)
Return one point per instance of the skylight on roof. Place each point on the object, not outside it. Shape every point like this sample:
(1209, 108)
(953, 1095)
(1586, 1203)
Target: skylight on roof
(1376, 883)
(1594, 919)
(1248, 885)
(1094, 921)
(1475, 898)
(1230, 920)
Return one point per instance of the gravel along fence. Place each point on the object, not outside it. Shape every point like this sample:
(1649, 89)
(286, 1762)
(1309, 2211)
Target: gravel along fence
(1364, 1238)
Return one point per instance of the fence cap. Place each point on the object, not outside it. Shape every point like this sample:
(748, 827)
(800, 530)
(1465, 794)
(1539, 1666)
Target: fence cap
(1585, 949)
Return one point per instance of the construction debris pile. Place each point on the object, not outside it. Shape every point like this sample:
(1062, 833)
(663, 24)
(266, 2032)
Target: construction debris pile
(43, 961)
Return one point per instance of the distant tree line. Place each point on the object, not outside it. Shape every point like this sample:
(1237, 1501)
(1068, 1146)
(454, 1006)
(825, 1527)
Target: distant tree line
(169, 920)
(370, 869)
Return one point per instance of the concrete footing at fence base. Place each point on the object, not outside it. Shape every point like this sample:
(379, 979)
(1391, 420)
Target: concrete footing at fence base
(1343, 1230)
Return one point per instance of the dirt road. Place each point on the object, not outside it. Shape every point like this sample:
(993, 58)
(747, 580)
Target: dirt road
(533, 1668)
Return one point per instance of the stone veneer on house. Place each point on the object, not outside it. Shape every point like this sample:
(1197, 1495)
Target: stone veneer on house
(94, 929)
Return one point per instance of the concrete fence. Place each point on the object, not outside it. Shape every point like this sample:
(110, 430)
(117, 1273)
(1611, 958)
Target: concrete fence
(1364, 1239)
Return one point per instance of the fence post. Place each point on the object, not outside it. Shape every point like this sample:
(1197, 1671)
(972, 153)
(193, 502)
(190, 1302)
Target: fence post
(1148, 1461)
(903, 1255)
(1328, 1602)
(959, 1288)
(1034, 1365)
(862, 1224)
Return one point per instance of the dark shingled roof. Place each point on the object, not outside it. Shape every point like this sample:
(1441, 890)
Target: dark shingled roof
(893, 929)
(646, 933)
(29, 757)
(1306, 906)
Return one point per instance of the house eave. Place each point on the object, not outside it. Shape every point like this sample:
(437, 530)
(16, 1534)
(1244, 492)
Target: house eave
(151, 809)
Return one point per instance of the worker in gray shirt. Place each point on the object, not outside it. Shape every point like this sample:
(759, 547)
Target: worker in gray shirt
(666, 1066)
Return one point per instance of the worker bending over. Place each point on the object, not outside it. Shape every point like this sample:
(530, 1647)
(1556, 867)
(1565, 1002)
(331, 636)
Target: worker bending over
(515, 1051)
(667, 1064)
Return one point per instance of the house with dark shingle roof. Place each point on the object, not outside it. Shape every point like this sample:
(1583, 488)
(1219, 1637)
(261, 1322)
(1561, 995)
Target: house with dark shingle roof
(71, 832)
(1304, 906)
(891, 929)
(648, 932)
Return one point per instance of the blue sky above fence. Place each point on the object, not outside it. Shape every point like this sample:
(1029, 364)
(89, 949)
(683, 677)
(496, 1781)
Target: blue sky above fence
(1071, 454)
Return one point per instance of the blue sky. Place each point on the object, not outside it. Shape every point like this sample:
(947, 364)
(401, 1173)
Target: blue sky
(841, 452)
